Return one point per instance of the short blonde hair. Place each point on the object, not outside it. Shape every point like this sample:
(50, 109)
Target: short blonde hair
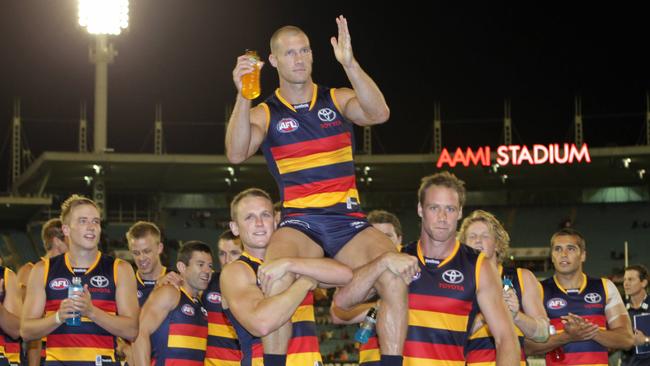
(501, 236)
(51, 229)
(290, 29)
(72, 202)
(250, 192)
(141, 229)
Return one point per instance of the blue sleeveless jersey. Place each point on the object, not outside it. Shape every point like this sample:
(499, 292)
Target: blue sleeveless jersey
(223, 347)
(588, 302)
(481, 346)
(309, 152)
(181, 338)
(303, 347)
(145, 287)
(442, 307)
(87, 344)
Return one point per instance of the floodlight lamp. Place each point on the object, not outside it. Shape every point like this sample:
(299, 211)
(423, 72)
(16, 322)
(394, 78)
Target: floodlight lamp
(104, 16)
(97, 169)
(626, 162)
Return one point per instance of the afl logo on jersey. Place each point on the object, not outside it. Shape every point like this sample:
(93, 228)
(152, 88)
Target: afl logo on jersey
(139, 294)
(99, 281)
(287, 125)
(326, 115)
(59, 284)
(188, 310)
(214, 297)
(453, 276)
(556, 303)
(593, 298)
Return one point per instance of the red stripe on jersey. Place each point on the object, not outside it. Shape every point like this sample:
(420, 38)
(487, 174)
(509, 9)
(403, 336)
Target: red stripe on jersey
(215, 317)
(53, 305)
(342, 184)
(258, 350)
(187, 329)
(80, 340)
(481, 355)
(220, 353)
(303, 344)
(310, 147)
(433, 351)
(106, 305)
(371, 344)
(309, 299)
(585, 358)
(439, 304)
(172, 362)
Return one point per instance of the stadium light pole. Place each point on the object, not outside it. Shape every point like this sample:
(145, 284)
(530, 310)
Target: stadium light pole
(102, 18)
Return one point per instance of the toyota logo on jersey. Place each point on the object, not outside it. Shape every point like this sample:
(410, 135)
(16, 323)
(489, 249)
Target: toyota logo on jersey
(326, 115)
(593, 298)
(453, 276)
(99, 281)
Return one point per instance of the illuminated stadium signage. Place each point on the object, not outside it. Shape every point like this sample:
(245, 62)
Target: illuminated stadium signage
(516, 155)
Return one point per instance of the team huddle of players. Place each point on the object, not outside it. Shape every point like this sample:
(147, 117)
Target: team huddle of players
(443, 299)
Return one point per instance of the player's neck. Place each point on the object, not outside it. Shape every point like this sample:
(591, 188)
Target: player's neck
(82, 258)
(258, 253)
(637, 299)
(297, 93)
(572, 280)
(190, 290)
(436, 249)
(153, 275)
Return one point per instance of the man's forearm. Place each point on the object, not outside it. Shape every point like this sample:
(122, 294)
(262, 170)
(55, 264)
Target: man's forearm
(370, 98)
(272, 312)
(532, 328)
(553, 342)
(142, 350)
(35, 329)
(363, 280)
(619, 338)
(9, 322)
(323, 270)
(238, 134)
(508, 352)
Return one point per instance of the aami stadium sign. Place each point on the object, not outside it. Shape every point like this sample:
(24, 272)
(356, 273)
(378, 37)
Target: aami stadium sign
(516, 155)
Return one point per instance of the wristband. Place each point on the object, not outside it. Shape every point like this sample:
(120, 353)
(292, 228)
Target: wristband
(57, 319)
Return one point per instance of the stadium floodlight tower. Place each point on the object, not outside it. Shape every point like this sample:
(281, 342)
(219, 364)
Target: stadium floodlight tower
(102, 18)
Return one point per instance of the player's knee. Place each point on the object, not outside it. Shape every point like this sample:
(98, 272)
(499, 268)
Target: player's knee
(390, 285)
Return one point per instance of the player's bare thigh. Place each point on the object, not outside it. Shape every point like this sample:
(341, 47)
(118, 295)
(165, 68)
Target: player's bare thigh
(289, 242)
(364, 247)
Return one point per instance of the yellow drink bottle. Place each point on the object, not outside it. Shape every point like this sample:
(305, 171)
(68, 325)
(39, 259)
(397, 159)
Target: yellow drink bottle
(250, 83)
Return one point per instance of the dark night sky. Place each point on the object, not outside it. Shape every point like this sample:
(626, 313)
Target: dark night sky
(181, 53)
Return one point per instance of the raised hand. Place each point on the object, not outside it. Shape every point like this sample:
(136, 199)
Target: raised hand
(343, 44)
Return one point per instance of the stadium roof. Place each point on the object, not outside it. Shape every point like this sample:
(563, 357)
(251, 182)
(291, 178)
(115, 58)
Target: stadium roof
(65, 171)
